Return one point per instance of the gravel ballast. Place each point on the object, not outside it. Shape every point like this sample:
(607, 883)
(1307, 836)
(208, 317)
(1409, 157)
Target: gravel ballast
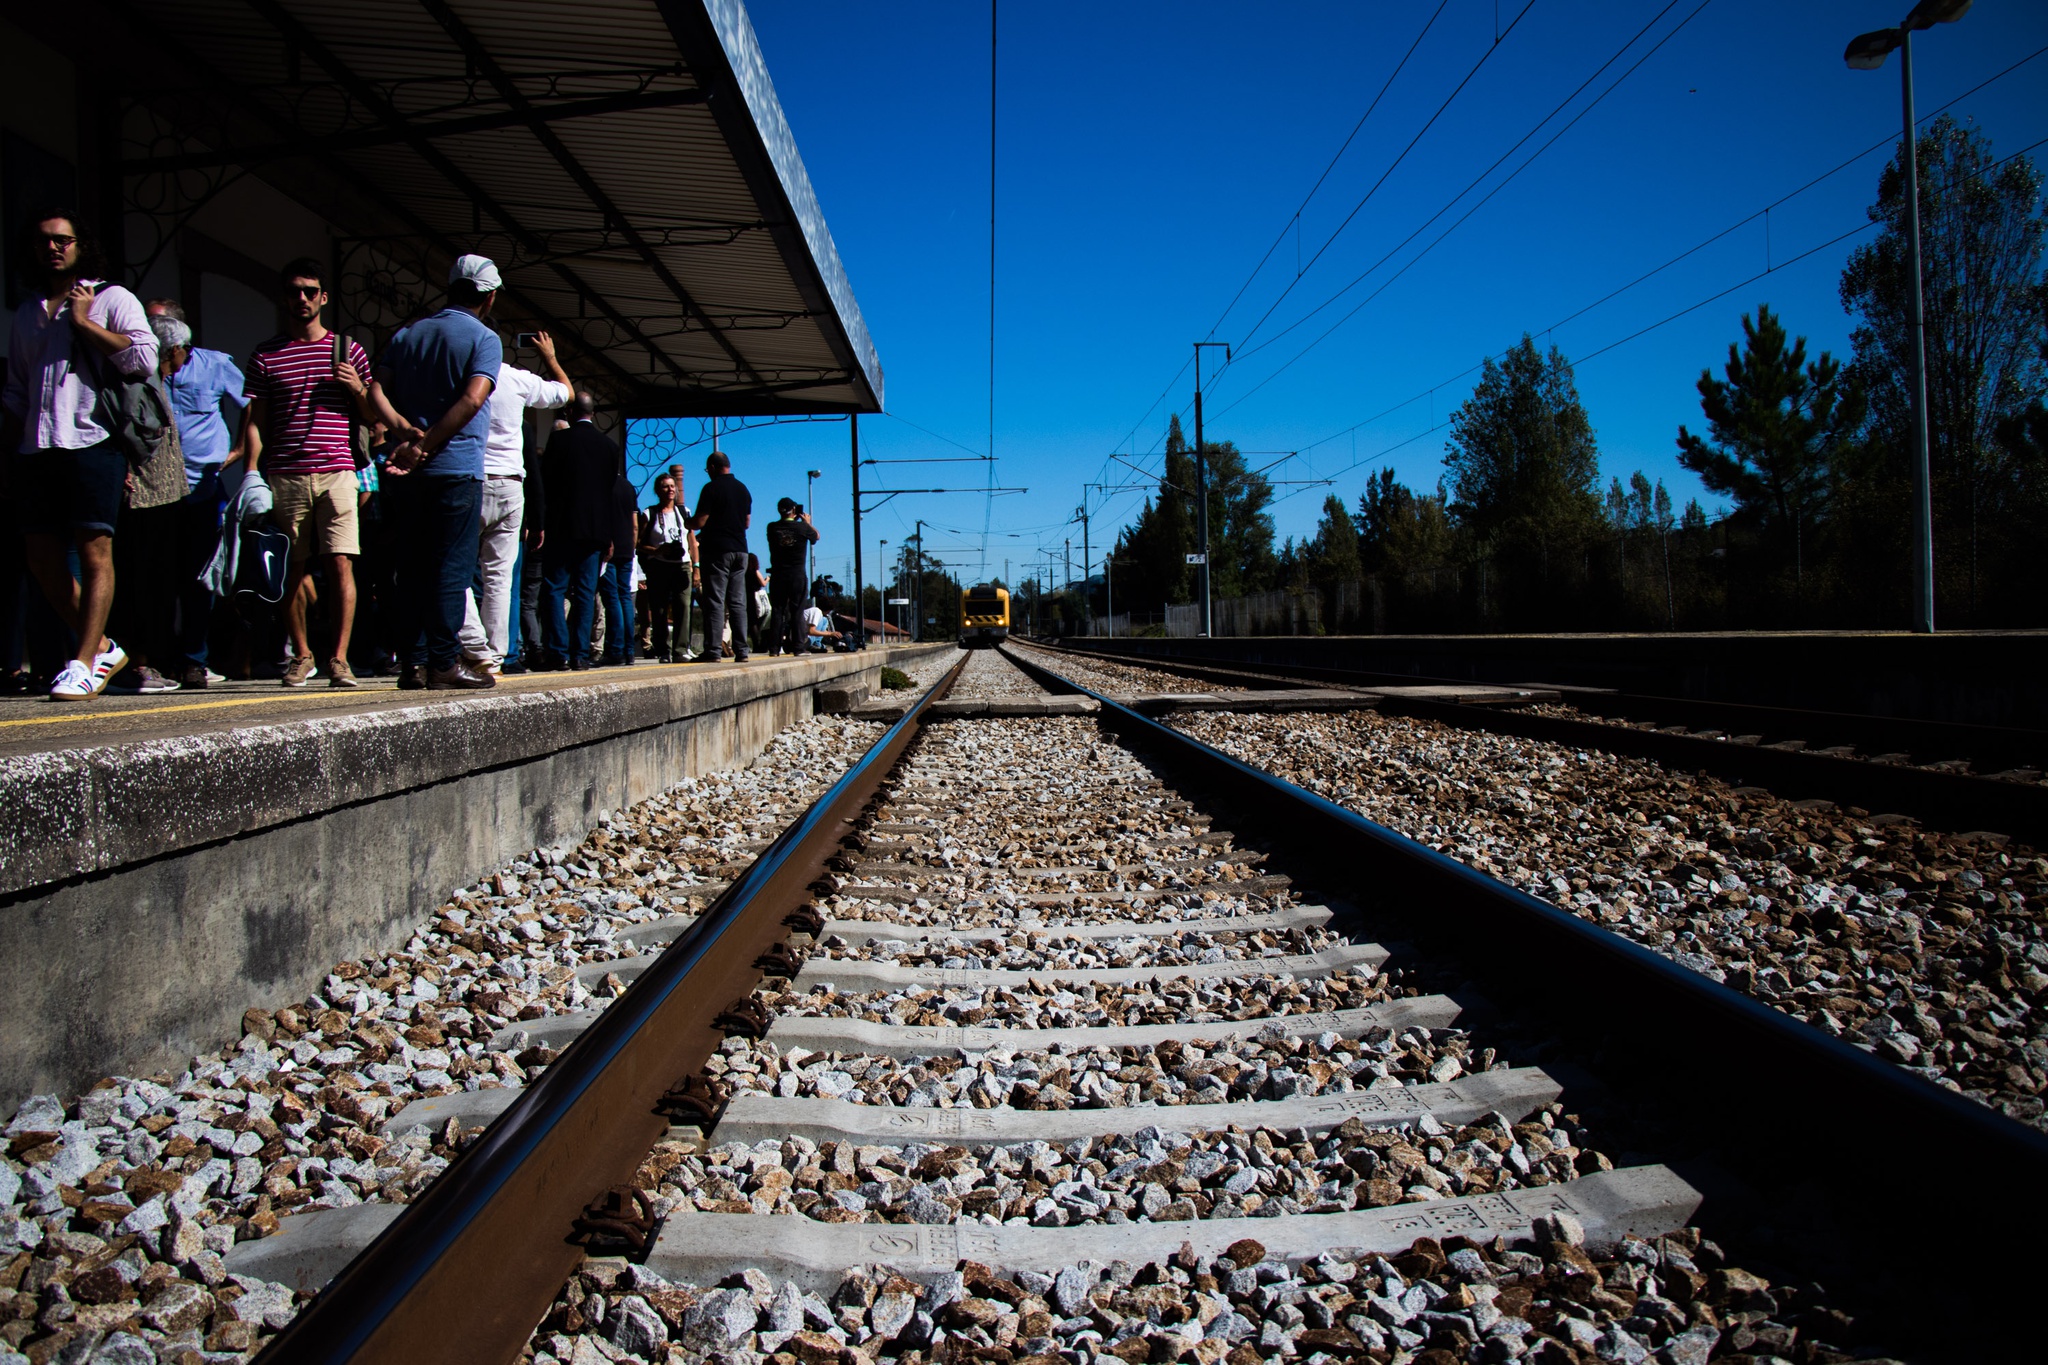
(1922, 946)
(117, 1206)
(974, 811)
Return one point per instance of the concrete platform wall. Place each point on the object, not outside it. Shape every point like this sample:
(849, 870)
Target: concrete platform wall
(149, 893)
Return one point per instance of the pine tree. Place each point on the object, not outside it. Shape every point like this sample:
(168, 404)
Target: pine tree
(1524, 469)
(1781, 424)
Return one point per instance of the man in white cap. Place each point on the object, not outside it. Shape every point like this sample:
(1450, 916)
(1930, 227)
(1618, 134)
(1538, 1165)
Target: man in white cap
(438, 376)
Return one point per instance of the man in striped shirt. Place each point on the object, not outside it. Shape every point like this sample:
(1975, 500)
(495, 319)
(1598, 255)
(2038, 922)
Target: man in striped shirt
(305, 389)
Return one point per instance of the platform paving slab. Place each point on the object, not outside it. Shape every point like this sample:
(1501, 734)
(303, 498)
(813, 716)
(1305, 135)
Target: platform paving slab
(309, 1249)
(703, 1248)
(893, 1040)
(1511, 1092)
(853, 974)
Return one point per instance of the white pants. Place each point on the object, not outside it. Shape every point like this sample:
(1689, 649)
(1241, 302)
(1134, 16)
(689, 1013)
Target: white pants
(487, 627)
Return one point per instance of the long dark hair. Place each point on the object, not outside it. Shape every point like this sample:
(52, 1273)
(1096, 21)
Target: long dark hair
(28, 244)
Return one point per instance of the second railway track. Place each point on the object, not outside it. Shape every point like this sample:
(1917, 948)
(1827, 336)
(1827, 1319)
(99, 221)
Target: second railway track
(1059, 1036)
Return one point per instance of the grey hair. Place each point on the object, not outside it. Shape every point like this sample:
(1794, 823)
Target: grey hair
(170, 331)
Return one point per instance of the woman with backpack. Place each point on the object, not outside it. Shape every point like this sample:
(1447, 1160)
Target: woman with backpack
(78, 343)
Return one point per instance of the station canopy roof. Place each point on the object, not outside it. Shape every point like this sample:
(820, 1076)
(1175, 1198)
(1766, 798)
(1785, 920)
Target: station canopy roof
(625, 162)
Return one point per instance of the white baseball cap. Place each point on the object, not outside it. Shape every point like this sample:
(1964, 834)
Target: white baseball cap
(480, 271)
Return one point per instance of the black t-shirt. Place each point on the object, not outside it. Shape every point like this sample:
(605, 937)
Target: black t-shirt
(726, 504)
(787, 538)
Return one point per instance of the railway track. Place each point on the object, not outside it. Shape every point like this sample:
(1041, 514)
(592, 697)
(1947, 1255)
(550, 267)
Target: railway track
(1960, 777)
(1062, 1036)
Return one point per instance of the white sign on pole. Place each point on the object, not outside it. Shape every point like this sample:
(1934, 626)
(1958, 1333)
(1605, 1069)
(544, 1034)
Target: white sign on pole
(1198, 559)
(899, 601)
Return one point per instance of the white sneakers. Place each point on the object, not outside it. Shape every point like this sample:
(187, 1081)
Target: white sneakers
(82, 682)
(74, 683)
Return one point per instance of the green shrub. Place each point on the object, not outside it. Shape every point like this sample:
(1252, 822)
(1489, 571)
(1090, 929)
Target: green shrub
(895, 680)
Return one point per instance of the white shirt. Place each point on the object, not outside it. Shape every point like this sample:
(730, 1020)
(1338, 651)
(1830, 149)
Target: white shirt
(516, 391)
(815, 621)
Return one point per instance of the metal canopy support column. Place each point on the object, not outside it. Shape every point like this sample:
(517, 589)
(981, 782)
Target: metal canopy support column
(860, 622)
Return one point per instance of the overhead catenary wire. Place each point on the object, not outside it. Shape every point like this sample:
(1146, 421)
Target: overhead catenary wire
(1294, 220)
(1392, 166)
(1476, 181)
(1620, 341)
(1762, 213)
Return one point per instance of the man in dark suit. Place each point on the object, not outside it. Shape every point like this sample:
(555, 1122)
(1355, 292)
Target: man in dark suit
(580, 470)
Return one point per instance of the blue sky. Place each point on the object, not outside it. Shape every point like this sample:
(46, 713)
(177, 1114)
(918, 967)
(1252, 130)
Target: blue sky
(1150, 154)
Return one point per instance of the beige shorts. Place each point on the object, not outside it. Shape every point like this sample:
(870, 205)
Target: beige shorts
(318, 511)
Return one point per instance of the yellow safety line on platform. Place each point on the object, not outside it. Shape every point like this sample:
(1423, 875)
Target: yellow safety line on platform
(179, 706)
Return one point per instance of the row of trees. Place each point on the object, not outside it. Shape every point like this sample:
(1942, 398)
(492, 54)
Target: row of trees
(1812, 454)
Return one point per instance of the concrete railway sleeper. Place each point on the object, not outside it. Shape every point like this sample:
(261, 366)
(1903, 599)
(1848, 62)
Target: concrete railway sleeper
(1922, 943)
(1004, 1051)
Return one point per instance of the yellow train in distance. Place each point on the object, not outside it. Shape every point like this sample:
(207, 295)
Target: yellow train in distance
(984, 617)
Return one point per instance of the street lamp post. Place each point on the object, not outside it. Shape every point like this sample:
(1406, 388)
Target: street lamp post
(811, 477)
(1202, 481)
(1867, 53)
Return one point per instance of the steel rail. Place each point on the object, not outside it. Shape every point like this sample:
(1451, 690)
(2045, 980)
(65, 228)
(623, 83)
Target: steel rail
(1821, 1121)
(1956, 801)
(469, 1267)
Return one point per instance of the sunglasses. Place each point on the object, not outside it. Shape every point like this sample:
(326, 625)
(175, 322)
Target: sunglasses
(306, 291)
(58, 239)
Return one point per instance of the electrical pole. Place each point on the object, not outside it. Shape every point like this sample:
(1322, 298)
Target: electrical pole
(1087, 591)
(1202, 481)
(1923, 501)
(860, 625)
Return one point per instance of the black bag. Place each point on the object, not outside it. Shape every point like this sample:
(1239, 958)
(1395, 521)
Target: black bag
(263, 565)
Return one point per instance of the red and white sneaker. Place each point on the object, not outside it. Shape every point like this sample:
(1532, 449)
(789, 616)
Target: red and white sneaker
(106, 664)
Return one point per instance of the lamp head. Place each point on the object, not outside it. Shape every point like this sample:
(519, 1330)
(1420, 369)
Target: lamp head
(1928, 13)
(1867, 51)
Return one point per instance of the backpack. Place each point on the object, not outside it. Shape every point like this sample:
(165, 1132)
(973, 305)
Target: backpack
(135, 410)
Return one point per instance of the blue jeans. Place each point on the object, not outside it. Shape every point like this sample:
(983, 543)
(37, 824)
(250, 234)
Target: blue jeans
(568, 572)
(434, 533)
(615, 589)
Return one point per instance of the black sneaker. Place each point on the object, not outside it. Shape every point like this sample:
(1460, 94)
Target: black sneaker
(411, 678)
(512, 668)
(193, 677)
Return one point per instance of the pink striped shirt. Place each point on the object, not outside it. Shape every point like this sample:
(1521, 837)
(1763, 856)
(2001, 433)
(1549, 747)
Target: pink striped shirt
(308, 408)
(54, 400)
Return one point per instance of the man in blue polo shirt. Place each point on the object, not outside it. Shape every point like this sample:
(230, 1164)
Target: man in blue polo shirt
(436, 378)
(199, 382)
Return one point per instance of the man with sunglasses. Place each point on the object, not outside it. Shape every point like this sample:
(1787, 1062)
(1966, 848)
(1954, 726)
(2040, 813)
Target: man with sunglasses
(302, 400)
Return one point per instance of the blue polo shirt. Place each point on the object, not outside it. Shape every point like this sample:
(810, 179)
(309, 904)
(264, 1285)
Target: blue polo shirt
(196, 389)
(428, 365)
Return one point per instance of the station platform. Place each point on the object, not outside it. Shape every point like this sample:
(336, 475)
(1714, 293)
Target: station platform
(35, 724)
(169, 861)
